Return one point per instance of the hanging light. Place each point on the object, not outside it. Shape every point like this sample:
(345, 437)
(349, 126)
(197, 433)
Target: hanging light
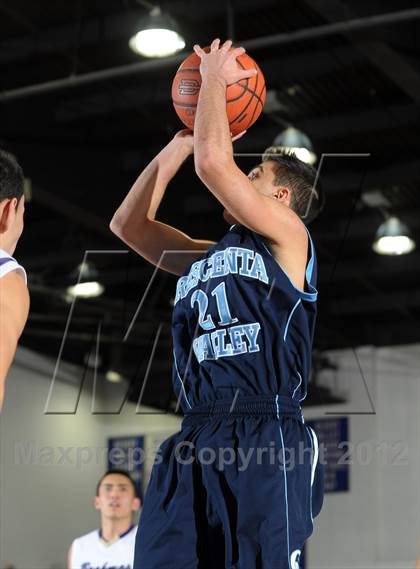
(87, 285)
(113, 376)
(295, 141)
(393, 238)
(158, 35)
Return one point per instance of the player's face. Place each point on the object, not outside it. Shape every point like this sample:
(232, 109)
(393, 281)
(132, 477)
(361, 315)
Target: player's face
(116, 498)
(262, 178)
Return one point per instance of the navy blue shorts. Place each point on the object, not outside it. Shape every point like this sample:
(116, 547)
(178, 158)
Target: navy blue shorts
(236, 488)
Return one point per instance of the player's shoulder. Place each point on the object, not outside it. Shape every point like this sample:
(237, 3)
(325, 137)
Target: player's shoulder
(15, 281)
(15, 296)
(9, 265)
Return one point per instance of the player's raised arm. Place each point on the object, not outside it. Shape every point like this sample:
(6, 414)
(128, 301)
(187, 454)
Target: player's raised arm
(213, 153)
(14, 306)
(134, 221)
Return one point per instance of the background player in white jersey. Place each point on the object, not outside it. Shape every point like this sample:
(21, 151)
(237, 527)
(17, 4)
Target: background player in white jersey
(111, 546)
(14, 296)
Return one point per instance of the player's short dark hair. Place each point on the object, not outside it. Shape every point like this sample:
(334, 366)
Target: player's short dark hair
(307, 195)
(11, 177)
(122, 473)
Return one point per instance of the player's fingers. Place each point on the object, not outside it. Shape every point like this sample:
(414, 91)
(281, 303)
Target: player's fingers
(237, 52)
(246, 74)
(226, 46)
(238, 135)
(215, 44)
(198, 50)
(184, 132)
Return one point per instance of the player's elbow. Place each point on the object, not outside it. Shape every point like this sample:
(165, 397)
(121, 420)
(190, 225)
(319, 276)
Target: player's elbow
(114, 227)
(208, 167)
(119, 227)
(116, 224)
(128, 227)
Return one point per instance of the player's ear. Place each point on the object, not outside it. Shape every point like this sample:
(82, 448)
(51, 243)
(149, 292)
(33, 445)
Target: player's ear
(96, 503)
(7, 213)
(282, 193)
(136, 505)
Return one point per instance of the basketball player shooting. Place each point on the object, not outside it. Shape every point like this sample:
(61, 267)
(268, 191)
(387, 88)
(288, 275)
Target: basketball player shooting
(14, 296)
(232, 488)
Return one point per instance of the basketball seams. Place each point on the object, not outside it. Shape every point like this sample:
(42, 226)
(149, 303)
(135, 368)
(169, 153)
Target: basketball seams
(246, 106)
(184, 105)
(244, 87)
(257, 97)
(258, 101)
(253, 92)
(194, 69)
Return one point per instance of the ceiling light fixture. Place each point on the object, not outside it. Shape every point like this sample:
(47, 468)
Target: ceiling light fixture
(297, 142)
(113, 376)
(158, 35)
(87, 285)
(393, 238)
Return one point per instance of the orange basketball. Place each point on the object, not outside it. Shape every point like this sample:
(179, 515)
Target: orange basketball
(244, 99)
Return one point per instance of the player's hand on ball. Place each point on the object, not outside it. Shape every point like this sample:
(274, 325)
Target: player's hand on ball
(238, 135)
(220, 63)
(184, 139)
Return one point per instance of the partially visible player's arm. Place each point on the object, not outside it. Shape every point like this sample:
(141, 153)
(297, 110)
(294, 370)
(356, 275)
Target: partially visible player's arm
(69, 566)
(134, 221)
(14, 307)
(215, 166)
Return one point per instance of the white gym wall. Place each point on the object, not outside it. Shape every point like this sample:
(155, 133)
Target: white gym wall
(46, 500)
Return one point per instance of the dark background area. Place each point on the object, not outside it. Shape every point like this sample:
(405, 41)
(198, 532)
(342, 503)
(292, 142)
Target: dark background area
(83, 144)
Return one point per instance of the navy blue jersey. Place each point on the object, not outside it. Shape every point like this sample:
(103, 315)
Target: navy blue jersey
(240, 326)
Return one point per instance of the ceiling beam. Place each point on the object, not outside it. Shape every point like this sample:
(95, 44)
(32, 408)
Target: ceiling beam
(284, 38)
(292, 69)
(390, 62)
(105, 28)
(68, 209)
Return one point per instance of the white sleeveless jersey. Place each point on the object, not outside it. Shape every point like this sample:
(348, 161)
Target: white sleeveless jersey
(91, 552)
(8, 264)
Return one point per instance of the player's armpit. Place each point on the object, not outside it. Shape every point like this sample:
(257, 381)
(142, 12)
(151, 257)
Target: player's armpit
(14, 307)
(258, 212)
(164, 246)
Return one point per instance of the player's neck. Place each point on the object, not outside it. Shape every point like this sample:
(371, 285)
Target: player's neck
(6, 245)
(112, 529)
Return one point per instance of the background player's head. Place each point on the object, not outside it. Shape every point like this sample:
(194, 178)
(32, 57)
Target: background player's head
(284, 177)
(12, 202)
(116, 496)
